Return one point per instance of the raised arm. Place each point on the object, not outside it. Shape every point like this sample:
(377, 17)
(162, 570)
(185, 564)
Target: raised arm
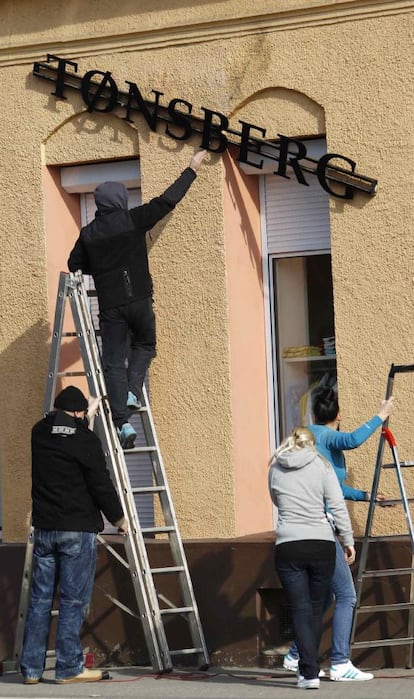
(351, 440)
(147, 215)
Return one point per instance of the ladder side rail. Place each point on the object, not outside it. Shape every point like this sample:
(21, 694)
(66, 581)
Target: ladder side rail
(371, 511)
(94, 375)
(368, 528)
(177, 548)
(56, 341)
(92, 362)
(86, 336)
(134, 544)
(54, 357)
(24, 597)
(404, 497)
(138, 562)
(406, 368)
(410, 632)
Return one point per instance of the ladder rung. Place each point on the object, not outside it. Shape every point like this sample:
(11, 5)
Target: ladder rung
(177, 610)
(391, 501)
(385, 607)
(157, 530)
(388, 537)
(186, 651)
(140, 450)
(73, 334)
(387, 572)
(403, 464)
(171, 569)
(149, 489)
(383, 642)
(70, 373)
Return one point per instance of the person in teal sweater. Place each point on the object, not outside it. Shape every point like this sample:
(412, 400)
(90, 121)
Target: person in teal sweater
(331, 443)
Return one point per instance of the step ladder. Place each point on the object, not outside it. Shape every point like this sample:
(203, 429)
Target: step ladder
(392, 574)
(154, 608)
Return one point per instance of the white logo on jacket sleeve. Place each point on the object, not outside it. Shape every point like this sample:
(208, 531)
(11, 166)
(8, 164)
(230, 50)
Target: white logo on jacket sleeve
(63, 431)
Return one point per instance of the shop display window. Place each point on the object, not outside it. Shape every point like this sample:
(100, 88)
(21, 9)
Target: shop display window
(304, 334)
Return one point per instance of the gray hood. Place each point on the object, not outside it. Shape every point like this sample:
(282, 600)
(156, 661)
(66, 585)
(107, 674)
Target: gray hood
(296, 459)
(110, 195)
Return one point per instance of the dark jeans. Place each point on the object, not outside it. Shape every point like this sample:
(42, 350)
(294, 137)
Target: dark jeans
(342, 590)
(128, 346)
(306, 586)
(67, 558)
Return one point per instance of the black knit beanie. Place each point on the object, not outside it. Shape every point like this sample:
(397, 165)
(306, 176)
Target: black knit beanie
(71, 399)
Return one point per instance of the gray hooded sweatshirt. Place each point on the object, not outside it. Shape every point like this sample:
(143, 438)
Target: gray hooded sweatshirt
(300, 483)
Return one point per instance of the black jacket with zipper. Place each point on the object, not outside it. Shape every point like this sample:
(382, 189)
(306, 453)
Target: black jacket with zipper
(113, 246)
(71, 484)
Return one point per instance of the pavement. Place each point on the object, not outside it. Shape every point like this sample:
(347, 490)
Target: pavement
(215, 683)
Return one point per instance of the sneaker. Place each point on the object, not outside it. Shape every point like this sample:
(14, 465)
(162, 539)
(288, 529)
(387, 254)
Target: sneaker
(31, 680)
(347, 672)
(127, 436)
(84, 676)
(292, 664)
(308, 684)
(132, 402)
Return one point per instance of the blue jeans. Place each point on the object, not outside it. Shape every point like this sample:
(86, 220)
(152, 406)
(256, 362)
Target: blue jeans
(128, 346)
(67, 559)
(343, 591)
(306, 585)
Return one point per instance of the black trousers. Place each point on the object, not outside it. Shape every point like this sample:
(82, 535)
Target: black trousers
(306, 583)
(128, 347)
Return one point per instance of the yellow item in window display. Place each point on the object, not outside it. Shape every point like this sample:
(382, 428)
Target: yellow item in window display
(301, 351)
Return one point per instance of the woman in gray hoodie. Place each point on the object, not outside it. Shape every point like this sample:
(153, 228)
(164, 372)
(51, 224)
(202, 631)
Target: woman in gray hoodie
(301, 484)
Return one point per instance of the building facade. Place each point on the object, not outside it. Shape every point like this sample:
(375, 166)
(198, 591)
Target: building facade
(290, 259)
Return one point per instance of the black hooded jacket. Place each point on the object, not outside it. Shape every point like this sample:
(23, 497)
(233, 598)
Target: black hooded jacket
(113, 247)
(70, 482)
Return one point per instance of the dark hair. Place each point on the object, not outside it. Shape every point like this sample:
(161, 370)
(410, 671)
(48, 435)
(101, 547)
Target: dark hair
(325, 405)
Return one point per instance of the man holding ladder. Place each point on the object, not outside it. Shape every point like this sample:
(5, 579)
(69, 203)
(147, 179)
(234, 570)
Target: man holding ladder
(70, 487)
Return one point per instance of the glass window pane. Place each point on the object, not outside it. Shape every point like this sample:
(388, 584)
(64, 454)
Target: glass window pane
(304, 334)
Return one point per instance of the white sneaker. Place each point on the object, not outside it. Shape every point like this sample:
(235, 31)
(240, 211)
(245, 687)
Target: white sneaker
(347, 672)
(308, 684)
(292, 664)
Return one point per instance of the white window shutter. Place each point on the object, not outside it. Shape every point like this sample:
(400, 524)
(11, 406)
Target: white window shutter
(297, 216)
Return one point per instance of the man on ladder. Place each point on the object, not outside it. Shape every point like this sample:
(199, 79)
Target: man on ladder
(113, 249)
(70, 487)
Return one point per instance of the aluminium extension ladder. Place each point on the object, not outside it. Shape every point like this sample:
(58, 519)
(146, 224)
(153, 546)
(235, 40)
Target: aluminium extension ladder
(151, 612)
(406, 607)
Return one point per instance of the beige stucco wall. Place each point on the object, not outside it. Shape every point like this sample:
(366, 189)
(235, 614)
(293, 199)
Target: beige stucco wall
(348, 60)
